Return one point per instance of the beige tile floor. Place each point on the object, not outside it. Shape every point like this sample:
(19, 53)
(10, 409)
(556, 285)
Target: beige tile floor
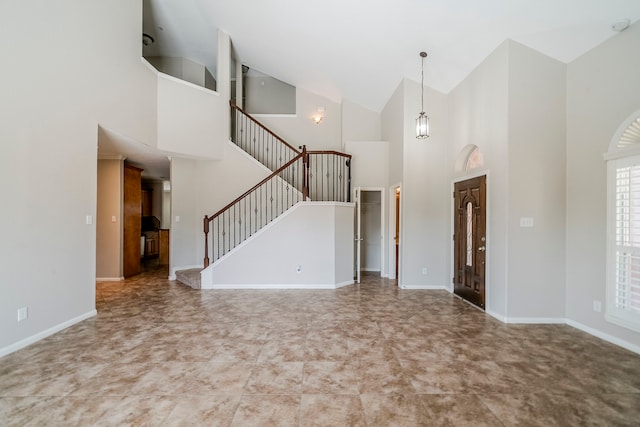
(162, 354)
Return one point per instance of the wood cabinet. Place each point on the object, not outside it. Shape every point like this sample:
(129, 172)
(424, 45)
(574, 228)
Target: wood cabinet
(164, 247)
(151, 244)
(147, 202)
(132, 207)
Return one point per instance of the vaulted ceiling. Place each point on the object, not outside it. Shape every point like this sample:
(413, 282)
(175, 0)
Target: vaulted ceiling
(360, 50)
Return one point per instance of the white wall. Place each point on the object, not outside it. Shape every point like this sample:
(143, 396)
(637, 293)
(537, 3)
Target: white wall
(425, 195)
(52, 102)
(191, 119)
(478, 114)
(267, 95)
(108, 232)
(185, 219)
(536, 172)
(392, 130)
(299, 129)
(202, 187)
(359, 123)
(183, 68)
(312, 245)
(603, 89)
(370, 162)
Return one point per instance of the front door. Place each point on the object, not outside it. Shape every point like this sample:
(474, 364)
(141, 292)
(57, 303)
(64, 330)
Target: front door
(470, 239)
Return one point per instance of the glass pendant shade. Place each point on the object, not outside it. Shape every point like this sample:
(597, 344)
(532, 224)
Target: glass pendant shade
(422, 126)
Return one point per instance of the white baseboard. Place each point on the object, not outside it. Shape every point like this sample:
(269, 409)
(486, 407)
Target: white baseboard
(535, 320)
(495, 315)
(609, 338)
(347, 283)
(273, 286)
(424, 287)
(41, 335)
(109, 279)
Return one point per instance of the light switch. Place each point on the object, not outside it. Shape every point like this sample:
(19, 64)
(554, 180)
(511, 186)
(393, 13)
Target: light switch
(89, 220)
(113, 218)
(177, 218)
(526, 222)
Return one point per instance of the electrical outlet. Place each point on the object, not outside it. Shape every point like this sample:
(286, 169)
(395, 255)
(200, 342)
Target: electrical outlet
(23, 313)
(597, 306)
(424, 270)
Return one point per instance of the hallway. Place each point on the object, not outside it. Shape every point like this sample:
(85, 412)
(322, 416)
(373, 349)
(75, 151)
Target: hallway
(160, 353)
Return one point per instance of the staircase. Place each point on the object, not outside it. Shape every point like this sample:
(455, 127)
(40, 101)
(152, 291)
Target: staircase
(298, 175)
(190, 277)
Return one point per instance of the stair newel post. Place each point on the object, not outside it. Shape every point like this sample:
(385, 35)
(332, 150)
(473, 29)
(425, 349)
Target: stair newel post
(305, 173)
(206, 241)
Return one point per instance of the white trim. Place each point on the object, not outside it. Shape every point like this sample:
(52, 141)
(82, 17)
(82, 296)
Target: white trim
(620, 153)
(391, 243)
(621, 321)
(383, 234)
(109, 279)
(613, 144)
(272, 286)
(424, 287)
(535, 320)
(41, 335)
(609, 338)
(495, 315)
(371, 269)
(186, 83)
(343, 284)
(621, 317)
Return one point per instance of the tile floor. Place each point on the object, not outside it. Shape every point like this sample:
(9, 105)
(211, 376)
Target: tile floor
(162, 354)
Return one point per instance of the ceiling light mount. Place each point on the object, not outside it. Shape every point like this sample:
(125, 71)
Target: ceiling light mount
(621, 25)
(147, 40)
(422, 122)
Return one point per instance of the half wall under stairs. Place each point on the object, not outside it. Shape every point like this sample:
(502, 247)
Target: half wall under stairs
(310, 246)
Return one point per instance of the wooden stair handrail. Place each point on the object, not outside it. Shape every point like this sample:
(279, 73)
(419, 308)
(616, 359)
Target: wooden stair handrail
(246, 193)
(337, 153)
(266, 129)
(305, 195)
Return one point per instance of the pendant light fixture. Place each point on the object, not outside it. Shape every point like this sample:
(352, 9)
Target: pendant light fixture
(422, 122)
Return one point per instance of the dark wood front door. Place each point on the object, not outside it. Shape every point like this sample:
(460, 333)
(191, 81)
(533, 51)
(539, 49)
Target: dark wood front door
(470, 239)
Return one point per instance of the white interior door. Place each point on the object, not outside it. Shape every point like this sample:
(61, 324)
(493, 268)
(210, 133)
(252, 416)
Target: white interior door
(371, 230)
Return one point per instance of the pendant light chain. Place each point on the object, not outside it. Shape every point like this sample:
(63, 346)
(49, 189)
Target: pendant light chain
(422, 85)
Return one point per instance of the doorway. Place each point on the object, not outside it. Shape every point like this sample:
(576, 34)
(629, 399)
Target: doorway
(396, 228)
(470, 239)
(369, 236)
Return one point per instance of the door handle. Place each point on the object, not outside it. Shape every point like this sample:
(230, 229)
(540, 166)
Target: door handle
(482, 248)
